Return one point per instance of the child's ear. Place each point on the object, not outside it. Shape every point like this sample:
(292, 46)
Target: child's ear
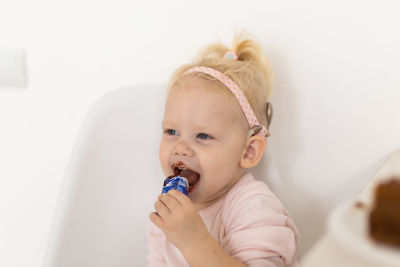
(255, 147)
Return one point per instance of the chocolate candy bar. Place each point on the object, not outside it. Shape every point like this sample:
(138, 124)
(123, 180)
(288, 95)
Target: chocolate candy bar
(175, 182)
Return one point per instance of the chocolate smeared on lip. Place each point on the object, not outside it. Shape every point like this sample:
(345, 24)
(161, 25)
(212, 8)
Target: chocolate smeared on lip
(192, 176)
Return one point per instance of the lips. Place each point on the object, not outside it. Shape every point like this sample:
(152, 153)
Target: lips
(181, 169)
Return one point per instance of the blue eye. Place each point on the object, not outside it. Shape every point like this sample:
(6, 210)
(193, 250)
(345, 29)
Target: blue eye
(171, 132)
(204, 136)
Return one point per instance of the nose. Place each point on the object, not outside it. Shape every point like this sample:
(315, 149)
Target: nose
(183, 149)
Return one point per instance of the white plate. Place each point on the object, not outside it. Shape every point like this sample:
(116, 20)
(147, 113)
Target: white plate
(348, 225)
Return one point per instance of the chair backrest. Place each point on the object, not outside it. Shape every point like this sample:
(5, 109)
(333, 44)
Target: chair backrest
(112, 181)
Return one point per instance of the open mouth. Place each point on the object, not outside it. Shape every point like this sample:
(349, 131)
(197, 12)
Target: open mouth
(192, 176)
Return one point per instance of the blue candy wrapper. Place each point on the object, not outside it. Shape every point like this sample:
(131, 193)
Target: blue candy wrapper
(178, 183)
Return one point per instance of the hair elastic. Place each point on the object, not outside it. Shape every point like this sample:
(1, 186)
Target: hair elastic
(230, 54)
(234, 88)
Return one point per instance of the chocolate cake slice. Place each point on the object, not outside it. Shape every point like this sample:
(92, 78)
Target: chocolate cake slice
(384, 217)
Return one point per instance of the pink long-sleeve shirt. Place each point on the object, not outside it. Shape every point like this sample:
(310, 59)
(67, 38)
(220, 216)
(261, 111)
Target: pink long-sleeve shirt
(250, 223)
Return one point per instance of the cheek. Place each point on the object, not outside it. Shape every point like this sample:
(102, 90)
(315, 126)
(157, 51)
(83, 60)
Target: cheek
(223, 161)
(214, 162)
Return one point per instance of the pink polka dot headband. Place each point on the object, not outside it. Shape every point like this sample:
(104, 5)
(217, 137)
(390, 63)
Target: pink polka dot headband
(234, 88)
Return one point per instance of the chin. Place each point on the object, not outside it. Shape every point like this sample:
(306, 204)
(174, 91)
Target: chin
(195, 197)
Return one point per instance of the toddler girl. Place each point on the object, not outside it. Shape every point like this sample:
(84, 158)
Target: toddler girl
(215, 126)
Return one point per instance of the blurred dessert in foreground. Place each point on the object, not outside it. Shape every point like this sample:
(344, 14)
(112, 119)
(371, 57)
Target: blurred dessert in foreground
(384, 217)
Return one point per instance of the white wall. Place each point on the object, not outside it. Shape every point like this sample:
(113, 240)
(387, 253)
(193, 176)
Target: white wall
(337, 93)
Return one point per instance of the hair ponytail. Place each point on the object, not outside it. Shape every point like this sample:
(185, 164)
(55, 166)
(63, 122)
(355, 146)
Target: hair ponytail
(247, 49)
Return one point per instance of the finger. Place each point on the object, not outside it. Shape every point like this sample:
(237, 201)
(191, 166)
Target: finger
(181, 197)
(171, 202)
(156, 219)
(161, 209)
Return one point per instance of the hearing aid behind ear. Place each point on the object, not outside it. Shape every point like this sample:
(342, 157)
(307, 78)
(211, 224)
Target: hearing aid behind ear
(257, 128)
(269, 115)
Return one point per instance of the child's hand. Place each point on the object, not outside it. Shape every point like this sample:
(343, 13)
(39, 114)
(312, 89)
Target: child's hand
(179, 220)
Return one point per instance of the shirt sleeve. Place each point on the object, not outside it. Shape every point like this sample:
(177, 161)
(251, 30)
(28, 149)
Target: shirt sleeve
(258, 229)
(155, 247)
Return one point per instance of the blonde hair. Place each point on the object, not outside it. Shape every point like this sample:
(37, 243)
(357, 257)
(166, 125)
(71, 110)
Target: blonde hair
(251, 71)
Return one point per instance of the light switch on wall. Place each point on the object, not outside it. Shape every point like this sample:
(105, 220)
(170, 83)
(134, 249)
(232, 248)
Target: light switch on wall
(13, 67)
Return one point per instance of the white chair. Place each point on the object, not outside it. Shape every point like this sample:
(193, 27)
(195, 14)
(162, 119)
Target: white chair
(112, 181)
